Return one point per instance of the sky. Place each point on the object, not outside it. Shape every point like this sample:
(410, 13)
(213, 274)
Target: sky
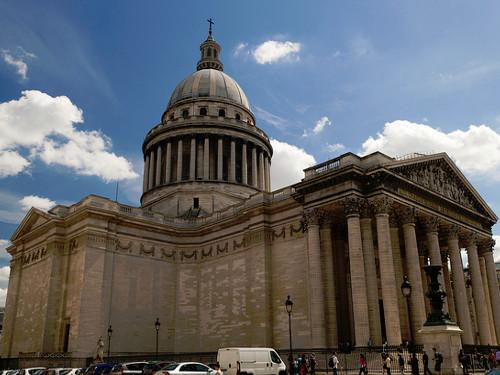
(81, 83)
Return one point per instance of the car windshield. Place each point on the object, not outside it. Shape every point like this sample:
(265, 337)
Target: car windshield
(170, 367)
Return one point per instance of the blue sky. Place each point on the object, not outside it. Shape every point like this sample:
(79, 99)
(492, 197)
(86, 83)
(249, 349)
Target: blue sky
(322, 78)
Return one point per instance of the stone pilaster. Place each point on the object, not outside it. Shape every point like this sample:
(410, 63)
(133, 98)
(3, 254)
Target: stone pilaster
(255, 174)
(232, 161)
(459, 292)
(146, 174)
(266, 174)
(244, 166)
(168, 163)
(192, 159)
(417, 299)
(329, 272)
(220, 151)
(493, 285)
(179, 159)
(357, 270)
(484, 279)
(477, 291)
(371, 274)
(206, 159)
(316, 294)
(151, 170)
(261, 171)
(390, 288)
(158, 166)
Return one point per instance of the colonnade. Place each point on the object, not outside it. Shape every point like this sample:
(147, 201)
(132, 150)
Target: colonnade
(206, 157)
(424, 239)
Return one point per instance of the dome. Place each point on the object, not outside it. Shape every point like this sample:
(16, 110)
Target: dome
(209, 83)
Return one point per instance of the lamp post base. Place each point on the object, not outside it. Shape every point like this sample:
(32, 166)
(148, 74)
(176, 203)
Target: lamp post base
(446, 339)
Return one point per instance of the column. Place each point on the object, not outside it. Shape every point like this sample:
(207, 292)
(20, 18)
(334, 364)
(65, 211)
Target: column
(431, 225)
(232, 161)
(220, 165)
(266, 173)
(261, 170)
(179, 160)
(357, 270)
(158, 166)
(146, 174)
(371, 274)
(168, 163)
(151, 170)
(477, 291)
(484, 278)
(200, 160)
(316, 295)
(206, 159)
(192, 160)
(399, 276)
(417, 298)
(255, 178)
(244, 166)
(390, 289)
(450, 298)
(493, 286)
(329, 272)
(459, 292)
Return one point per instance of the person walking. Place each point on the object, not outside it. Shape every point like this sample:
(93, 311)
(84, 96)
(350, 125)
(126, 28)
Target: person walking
(303, 365)
(363, 365)
(312, 364)
(414, 364)
(425, 361)
(462, 358)
(334, 363)
(401, 364)
(438, 360)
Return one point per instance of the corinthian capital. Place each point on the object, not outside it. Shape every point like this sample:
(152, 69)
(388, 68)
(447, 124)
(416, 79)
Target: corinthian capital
(487, 245)
(313, 216)
(471, 239)
(407, 215)
(381, 205)
(452, 231)
(431, 223)
(352, 206)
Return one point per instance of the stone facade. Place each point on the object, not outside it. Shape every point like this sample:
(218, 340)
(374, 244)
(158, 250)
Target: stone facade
(213, 253)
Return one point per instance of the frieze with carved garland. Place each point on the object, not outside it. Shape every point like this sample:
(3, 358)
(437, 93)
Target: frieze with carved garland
(34, 255)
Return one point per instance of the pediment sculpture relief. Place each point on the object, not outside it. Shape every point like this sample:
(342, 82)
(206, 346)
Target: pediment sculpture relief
(435, 177)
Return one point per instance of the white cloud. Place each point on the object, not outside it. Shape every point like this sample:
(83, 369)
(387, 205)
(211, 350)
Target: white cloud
(334, 147)
(272, 119)
(475, 151)
(18, 59)
(318, 127)
(3, 245)
(273, 51)
(42, 203)
(3, 296)
(4, 283)
(496, 250)
(45, 126)
(240, 49)
(288, 163)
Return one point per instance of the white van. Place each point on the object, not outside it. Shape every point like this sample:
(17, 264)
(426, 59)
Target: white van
(250, 361)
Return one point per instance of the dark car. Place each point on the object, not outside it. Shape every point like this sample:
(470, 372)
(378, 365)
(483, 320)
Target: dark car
(152, 367)
(99, 369)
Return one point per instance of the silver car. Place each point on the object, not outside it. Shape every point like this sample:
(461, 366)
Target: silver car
(186, 368)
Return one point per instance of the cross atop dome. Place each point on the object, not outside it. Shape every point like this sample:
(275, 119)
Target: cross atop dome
(210, 51)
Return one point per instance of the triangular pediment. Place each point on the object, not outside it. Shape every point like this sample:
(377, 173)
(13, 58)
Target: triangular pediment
(439, 174)
(33, 219)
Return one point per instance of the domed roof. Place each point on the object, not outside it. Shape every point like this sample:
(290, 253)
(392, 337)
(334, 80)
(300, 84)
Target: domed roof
(209, 83)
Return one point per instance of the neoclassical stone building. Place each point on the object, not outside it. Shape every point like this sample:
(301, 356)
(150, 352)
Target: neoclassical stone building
(213, 252)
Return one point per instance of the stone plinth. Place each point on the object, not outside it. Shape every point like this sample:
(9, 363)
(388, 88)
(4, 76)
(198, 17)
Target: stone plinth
(446, 339)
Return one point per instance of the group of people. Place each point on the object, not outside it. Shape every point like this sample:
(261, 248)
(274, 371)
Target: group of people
(304, 364)
(387, 361)
(486, 361)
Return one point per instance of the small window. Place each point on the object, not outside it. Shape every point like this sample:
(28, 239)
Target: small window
(196, 202)
(222, 113)
(238, 117)
(215, 53)
(185, 113)
(171, 116)
(203, 111)
(209, 52)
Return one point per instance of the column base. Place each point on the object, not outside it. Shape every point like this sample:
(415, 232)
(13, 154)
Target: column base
(446, 339)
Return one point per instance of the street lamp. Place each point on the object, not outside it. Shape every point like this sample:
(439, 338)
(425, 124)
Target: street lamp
(157, 327)
(110, 333)
(406, 291)
(289, 306)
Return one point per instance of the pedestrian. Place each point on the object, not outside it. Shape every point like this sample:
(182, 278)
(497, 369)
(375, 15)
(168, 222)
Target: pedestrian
(497, 356)
(491, 360)
(462, 358)
(363, 365)
(334, 363)
(217, 369)
(303, 365)
(425, 361)
(388, 361)
(401, 364)
(414, 364)
(312, 364)
(438, 360)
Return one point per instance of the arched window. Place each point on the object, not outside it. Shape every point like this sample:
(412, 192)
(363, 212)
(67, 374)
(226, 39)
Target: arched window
(171, 116)
(238, 117)
(222, 113)
(185, 113)
(209, 52)
(215, 53)
(203, 111)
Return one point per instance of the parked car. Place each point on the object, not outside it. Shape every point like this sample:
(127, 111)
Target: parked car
(128, 368)
(187, 368)
(74, 371)
(14, 372)
(264, 361)
(31, 370)
(152, 367)
(99, 369)
(57, 371)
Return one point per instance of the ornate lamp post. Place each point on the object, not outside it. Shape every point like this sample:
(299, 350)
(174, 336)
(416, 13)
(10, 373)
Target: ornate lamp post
(436, 296)
(289, 306)
(406, 291)
(157, 327)
(110, 333)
